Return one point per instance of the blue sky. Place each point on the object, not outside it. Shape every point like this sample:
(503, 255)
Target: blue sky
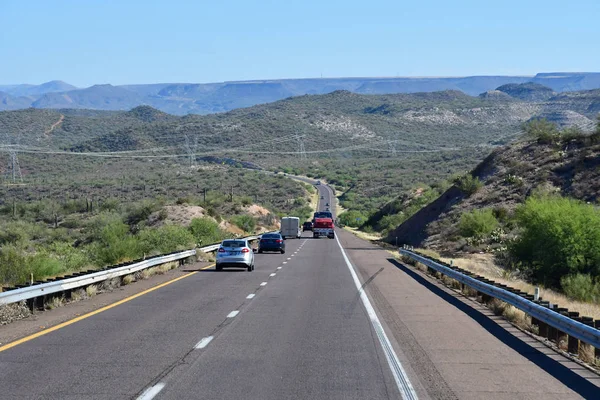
(85, 42)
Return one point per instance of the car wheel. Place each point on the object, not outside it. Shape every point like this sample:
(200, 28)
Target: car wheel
(218, 268)
(260, 251)
(249, 268)
(282, 251)
(253, 267)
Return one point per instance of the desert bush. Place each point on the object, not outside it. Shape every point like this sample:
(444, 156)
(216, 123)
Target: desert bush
(113, 244)
(542, 130)
(477, 223)
(468, 184)
(581, 287)
(165, 239)
(246, 223)
(559, 236)
(352, 218)
(206, 231)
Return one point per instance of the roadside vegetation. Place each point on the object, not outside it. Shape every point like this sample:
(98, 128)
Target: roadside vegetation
(536, 214)
(60, 223)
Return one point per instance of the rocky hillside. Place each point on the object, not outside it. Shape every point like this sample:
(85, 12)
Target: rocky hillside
(509, 175)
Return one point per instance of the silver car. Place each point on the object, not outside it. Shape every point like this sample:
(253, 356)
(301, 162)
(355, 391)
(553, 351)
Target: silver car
(235, 253)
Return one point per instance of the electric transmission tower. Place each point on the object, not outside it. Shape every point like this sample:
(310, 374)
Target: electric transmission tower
(301, 150)
(14, 170)
(191, 149)
(392, 147)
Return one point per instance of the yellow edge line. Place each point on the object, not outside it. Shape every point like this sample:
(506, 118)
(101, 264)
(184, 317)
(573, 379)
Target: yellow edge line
(98, 311)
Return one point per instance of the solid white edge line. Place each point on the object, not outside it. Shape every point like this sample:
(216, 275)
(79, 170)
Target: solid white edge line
(263, 283)
(204, 342)
(404, 386)
(250, 296)
(233, 314)
(151, 392)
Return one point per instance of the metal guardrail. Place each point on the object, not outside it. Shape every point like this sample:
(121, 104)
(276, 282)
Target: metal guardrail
(43, 289)
(576, 329)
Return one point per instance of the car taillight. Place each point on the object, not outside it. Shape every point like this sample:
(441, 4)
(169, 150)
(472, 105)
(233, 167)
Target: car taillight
(221, 250)
(278, 241)
(245, 250)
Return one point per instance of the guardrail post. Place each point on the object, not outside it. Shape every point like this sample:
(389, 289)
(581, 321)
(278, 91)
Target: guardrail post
(586, 348)
(561, 337)
(542, 327)
(573, 343)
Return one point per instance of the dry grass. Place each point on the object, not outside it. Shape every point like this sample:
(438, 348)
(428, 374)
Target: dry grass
(483, 264)
(78, 295)
(91, 290)
(127, 279)
(587, 355)
(363, 235)
(56, 302)
(145, 273)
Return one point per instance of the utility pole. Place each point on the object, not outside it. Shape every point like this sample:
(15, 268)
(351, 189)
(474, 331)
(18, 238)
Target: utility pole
(231, 195)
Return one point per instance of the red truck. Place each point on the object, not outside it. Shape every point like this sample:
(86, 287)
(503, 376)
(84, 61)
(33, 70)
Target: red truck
(323, 227)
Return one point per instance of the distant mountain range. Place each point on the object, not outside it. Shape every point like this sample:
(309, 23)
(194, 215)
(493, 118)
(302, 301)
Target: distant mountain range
(181, 99)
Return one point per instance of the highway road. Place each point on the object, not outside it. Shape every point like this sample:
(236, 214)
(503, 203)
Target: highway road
(330, 319)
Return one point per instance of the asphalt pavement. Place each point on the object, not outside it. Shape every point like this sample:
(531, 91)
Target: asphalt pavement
(330, 319)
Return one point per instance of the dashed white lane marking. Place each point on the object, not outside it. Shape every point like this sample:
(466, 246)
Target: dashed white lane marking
(151, 392)
(404, 386)
(263, 283)
(278, 267)
(250, 296)
(273, 274)
(233, 314)
(289, 258)
(204, 342)
(285, 262)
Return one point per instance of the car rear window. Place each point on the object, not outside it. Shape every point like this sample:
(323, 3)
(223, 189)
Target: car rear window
(234, 243)
(271, 236)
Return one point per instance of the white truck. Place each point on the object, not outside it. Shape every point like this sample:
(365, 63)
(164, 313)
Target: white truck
(290, 227)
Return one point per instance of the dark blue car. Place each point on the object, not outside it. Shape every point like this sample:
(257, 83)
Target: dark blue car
(271, 242)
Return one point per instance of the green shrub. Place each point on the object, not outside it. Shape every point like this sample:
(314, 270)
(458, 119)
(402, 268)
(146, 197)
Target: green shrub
(581, 287)
(110, 205)
(468, 184)
(43, 265)
(12, 263)
(391, 222)
(114, 244)
(478, 223)
(501, 213)
(206, 231)
(139, 212)
(244, 222)
(72, 259)
(542, 130)
(352, 218)
(559, 237)
(246, 200)
(165, 239)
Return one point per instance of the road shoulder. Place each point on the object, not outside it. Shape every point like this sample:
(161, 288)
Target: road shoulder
(456, 347)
